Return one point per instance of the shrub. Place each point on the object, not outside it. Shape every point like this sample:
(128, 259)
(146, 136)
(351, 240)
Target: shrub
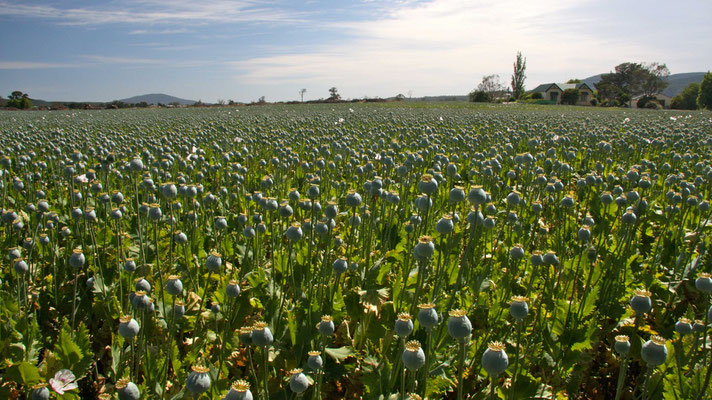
(479, 96)
(537, 96)
(570, 96)
(704, 98)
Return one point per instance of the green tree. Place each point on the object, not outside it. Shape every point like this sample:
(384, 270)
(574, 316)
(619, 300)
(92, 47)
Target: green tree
(478, 96)
(574, 80)
(20, 100)
(687, 99)
(704, 98)
(632, 79)
(570, 96)
(518, 77)
(334, 94)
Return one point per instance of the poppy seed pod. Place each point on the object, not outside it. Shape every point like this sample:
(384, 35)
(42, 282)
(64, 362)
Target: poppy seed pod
(128, 327)
(198, 380)
(129, 265)
(428, 316)
(622, 345)
(174, 286)
(477, 196)
(248, 232)
(629, 217)
(494, 359)
(127, 390)
(424, 249)
(519, 308)
(537, 258)
(214, 261)
(140, 301)
(298, 382)
(314, 361)
(340, 265)
(584, 234)
(220, 223)
(261, 335)
(353, 199)
(39, 392)
(704, 283)
(709, 314)
(214, 307)
(404, 325)
(76, 260)
(445, 225)
(246, 335)
(240, 390)
(294, 232)
(232, 289)
(456, 195)
(21, 266)
(654, 352)
(683, 326)
(154, 212)
(458, 325)
(142, 284)
(179, 309)
(326, 326)
(640, 302)
(550, 258)
(427, 184)
(413, 356)
(516, 252)
(698, 326)
(332, 210)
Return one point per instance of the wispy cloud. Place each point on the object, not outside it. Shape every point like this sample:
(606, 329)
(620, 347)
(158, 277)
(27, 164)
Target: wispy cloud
(444, 46)
(24, 65)
(155, 12)
(158, 31)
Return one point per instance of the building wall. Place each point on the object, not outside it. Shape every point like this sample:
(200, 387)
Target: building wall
(585, 97)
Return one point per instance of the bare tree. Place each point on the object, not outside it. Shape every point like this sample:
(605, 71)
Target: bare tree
(518, 77)
(491, 86)
(301, 93)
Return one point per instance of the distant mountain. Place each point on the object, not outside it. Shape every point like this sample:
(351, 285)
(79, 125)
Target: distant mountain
(155, 98)
(676, 82)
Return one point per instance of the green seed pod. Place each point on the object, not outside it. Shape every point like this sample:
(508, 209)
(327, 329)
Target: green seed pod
(413, 356)
(458, 325)
(494, 359)
(654, 352)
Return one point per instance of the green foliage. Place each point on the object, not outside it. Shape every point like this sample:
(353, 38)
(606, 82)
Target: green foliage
(570, 96)
(687, 99)
(478, 96)
(704, 98)
(537, 96)
(19, 100)
(630, 80)
(518, 77)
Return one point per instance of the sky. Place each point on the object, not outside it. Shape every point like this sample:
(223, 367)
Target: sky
(102, 50)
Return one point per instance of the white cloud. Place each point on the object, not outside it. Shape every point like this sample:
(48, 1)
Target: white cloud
(446, 46)
(24, 65)
(155, 12)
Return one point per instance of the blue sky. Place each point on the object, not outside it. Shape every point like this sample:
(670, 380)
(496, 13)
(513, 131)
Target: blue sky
(244, 49)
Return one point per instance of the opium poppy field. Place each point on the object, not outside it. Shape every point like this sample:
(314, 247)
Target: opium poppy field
(356, 251)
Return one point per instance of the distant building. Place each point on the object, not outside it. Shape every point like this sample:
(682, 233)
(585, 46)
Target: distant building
(660, 98)
(552, 92)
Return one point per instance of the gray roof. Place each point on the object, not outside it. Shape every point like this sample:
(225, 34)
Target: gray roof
(562, 86)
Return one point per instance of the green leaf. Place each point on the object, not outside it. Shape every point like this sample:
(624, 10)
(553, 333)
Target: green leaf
(340, 354)
(29, 373)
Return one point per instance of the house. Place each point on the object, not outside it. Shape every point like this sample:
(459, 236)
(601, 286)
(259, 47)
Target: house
(552, 92)
(660, 98)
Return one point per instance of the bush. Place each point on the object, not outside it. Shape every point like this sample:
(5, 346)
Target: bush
(653, 105)
(643, 101)
(537, 96)
(594, 102)
(570, 96)
(479, 96)
(21, 103)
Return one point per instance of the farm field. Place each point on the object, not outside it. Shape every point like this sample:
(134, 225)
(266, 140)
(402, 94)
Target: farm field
(348, 251)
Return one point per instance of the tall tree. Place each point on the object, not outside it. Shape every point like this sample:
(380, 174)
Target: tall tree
(704, 98)
(518, 77)
(301, 93)
(334, 94)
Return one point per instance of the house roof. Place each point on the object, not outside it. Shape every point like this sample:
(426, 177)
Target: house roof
(562, 86)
